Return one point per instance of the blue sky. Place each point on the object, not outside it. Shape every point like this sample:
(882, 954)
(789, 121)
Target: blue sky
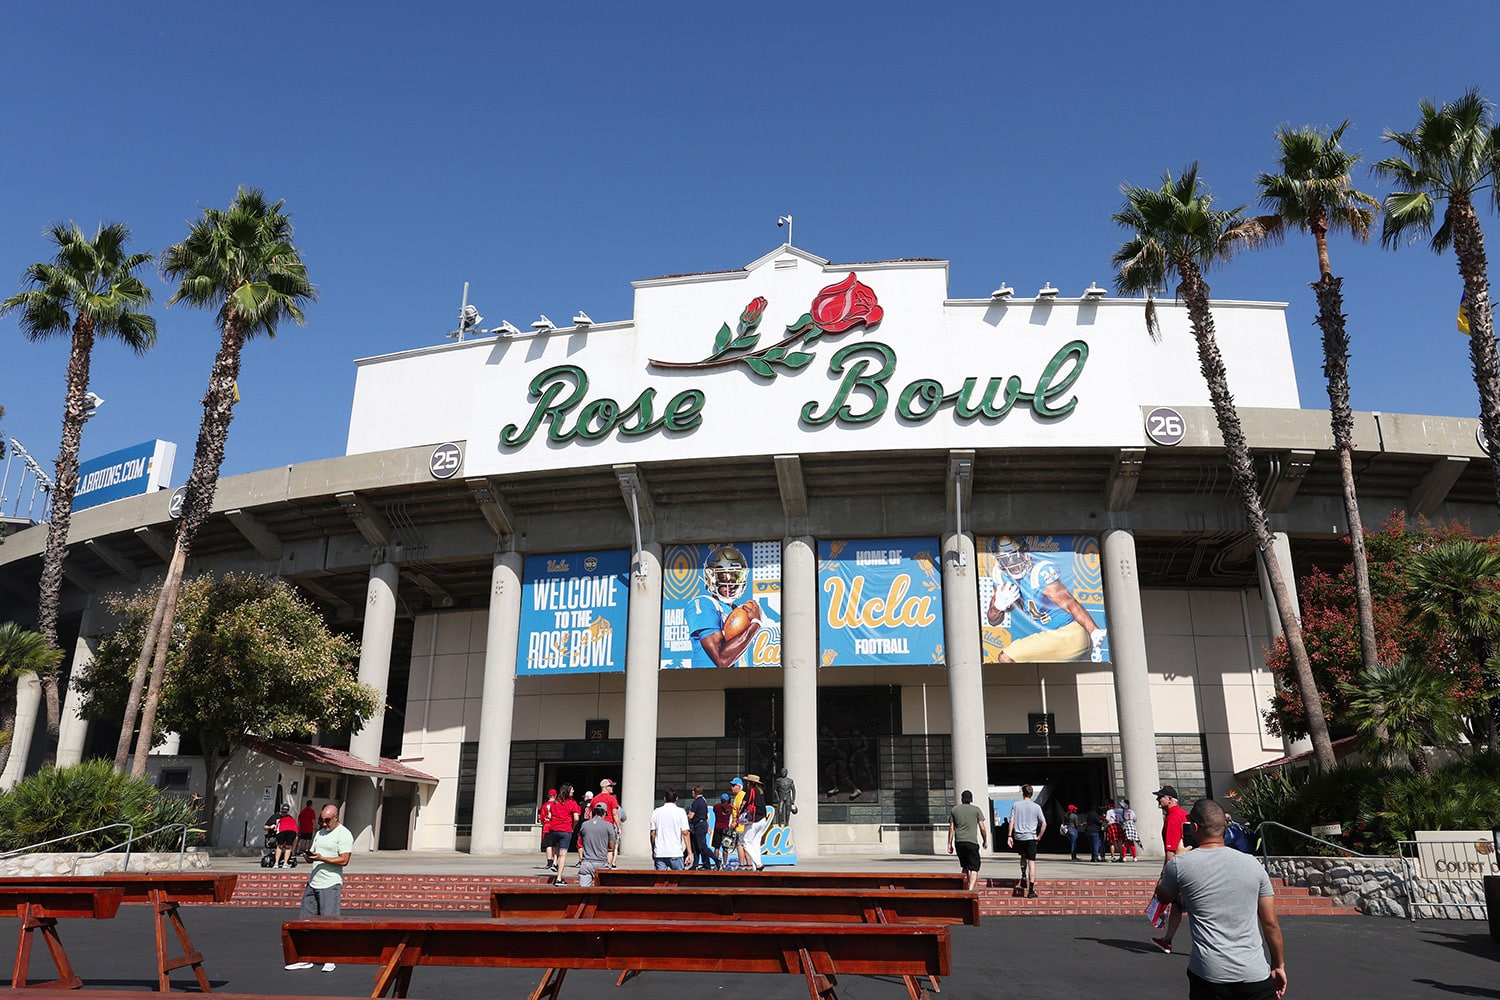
(551, 154)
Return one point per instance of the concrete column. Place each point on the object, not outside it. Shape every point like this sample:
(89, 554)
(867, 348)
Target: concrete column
(73, 728)
(28, 705)
(799, 686)
(1127, 643)
(642, 681)
(971, 766)
(1282, 547)
(375, 670)
(497, 709)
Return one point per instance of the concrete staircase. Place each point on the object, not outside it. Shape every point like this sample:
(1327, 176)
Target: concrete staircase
(1124, 897)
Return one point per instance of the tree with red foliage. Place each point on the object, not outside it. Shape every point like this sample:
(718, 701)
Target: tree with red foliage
(1330, 626)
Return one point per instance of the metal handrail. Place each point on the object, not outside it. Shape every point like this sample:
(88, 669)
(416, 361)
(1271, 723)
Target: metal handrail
(181, 847)
(58, 840)
(1282, 826)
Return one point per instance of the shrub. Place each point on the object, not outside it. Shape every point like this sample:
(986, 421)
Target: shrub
(56, 802)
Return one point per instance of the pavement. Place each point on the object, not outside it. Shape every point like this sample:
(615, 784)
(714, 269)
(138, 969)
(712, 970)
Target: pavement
(1018, 957)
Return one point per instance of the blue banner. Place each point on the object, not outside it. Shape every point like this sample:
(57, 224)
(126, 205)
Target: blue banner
(1041, 599)
(721, 605)
(575, 609)
(129, 472)
(881, 602)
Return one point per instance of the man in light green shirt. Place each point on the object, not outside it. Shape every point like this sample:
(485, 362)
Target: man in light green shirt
(331, 847)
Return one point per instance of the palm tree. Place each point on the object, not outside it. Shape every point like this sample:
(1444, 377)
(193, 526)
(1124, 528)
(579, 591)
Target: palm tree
(1176, 229)
(1453, 595)
(21, 652)
(1313, 194)
(88, 290)
(242, 261)
(1399, 710)
(1452, 155)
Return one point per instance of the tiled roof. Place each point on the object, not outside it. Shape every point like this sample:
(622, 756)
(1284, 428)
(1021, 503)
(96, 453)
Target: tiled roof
(1345, 745)
(327, 758)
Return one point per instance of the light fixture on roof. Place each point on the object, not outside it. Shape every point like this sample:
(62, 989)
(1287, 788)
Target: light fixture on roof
(1046, 291)
(1094, 292)
(91, 402)
(582, 320)
(1003, 292)
(468, 320)
(505, 329)
(543, 325)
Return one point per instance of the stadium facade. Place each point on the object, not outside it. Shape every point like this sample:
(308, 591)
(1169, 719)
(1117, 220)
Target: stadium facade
(799, 515)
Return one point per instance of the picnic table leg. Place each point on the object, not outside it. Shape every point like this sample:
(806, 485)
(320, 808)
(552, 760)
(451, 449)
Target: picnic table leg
(34, 918)
(550, 985)
(820, 984)
(393, 973)
(166, 913)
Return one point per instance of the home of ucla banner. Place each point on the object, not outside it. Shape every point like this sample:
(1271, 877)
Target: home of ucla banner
(880, 602)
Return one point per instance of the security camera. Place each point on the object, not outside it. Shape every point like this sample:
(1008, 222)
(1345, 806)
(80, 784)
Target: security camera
(780, 222)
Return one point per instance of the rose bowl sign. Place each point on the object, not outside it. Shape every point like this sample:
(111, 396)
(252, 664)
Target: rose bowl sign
(792, 355)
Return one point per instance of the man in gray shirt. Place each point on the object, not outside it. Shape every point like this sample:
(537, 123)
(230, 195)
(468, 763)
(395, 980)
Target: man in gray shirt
(598, 836)
(1231, 907)
(1027, 824)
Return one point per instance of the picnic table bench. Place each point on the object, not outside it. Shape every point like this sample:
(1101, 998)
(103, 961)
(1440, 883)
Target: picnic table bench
(818, 952)
(781, 879)
(833, 906)
(163, 891)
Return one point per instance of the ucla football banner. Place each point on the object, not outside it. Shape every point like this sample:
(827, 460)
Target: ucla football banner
(880, 601)
(1041, 599)
(574, 612)
(721, 605)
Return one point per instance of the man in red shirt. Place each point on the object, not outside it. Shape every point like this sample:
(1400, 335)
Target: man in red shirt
(307, 825)
(1173, 818)
(611, 812)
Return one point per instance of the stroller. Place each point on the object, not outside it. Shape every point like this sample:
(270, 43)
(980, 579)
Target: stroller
(268, 852)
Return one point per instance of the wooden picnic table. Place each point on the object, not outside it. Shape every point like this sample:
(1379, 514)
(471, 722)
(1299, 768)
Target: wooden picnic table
(818, 952)
(163, 891)
(39, 909)
(781, 879)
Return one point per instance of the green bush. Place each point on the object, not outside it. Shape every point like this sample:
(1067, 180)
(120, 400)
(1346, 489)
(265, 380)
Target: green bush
(57, 802)
(1375, 805)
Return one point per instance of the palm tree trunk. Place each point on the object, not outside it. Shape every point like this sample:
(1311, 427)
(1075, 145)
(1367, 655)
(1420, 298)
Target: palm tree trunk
(1329, 292)
(1194, 292)
(208, 457)
(65, 485)
(138, 681)
(1468, 246)
(7, 723)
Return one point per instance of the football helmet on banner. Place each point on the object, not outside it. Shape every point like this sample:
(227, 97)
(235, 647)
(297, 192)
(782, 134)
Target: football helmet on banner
(1013, 553)
(726, 574)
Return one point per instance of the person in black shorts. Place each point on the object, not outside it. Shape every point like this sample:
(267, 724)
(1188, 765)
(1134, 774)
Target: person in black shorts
(966, 834)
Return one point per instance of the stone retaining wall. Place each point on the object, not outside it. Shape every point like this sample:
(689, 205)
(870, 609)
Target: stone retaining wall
(1380, 886)
(33, 865)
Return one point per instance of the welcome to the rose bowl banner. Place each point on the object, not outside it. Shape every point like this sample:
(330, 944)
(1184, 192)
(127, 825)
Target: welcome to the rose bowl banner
(575, 608)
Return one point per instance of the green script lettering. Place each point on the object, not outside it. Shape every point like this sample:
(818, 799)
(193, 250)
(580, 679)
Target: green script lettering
(856, 378)
(560, 389)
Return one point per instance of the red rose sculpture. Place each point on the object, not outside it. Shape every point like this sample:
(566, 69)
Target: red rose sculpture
(751, 315)
(846, 305)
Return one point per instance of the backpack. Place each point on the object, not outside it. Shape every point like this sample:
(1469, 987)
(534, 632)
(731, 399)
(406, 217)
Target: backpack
(1239, 838)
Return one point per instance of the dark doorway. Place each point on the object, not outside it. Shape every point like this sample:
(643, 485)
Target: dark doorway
(395, 821)
(584, 776)
(1080, 781)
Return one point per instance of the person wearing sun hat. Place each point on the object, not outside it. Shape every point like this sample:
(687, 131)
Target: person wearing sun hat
(753, 816)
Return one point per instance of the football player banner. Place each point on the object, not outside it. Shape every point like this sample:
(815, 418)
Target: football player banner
(1041, 599)
(721, 605)
(881, 602)
(574, 611)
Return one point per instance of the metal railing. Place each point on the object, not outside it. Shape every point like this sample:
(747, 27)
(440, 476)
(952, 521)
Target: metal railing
(1265, 852)
(181, 847)
(72, 836)
(1459, 856)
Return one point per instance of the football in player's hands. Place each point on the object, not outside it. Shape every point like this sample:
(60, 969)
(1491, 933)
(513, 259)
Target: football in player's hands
(744, 618)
